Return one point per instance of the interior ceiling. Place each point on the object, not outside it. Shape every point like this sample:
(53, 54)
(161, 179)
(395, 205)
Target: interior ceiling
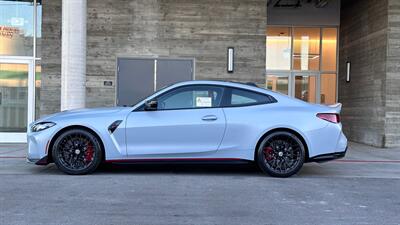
(296, 3)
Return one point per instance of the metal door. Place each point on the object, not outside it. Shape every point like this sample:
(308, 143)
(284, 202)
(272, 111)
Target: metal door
(170, 71)
(137, 78)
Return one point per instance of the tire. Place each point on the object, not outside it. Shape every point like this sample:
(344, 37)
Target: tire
(281, 154)
(77, 152)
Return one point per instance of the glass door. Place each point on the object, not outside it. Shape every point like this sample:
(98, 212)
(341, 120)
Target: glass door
(306, 87)
(302, 62)
(16, 99)
(279, 82)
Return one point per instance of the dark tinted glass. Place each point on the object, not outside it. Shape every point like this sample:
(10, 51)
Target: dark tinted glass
(240, 97)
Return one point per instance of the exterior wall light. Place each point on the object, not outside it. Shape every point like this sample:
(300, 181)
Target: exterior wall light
(348, 70)
(230, 65)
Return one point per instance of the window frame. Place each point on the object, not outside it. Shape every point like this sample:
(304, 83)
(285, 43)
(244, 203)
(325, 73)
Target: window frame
(224, 98)
(226, 101)
(141, 108)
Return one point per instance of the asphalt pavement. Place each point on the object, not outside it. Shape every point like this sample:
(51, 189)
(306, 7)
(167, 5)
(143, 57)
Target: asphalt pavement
(363, 188)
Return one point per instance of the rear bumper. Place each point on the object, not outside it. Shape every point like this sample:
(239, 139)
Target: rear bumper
(328, 157)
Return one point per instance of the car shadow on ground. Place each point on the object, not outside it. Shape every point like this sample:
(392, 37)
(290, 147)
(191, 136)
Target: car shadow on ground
(248, 169)
(193, 169)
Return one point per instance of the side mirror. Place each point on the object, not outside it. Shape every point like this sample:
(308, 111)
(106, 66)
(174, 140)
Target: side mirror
(151, 105)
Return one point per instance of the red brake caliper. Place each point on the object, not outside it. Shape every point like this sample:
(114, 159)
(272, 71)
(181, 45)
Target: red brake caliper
(268, 153)
(89, 153)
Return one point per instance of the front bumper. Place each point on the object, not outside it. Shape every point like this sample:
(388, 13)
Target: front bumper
(38, 144)
(328, 157)
(43, 161)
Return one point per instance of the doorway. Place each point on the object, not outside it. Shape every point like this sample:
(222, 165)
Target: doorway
(137, 78)
(302, 62)
(17, 101)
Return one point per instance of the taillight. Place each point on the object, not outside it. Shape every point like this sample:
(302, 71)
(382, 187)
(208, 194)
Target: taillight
(331, 117)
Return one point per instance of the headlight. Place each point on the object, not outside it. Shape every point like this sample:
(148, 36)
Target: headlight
(41, 126)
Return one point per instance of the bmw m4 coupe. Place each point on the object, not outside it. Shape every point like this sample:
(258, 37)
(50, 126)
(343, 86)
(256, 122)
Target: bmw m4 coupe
(201, 121)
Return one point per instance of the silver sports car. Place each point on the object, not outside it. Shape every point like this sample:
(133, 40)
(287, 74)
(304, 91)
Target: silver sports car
(198, 121)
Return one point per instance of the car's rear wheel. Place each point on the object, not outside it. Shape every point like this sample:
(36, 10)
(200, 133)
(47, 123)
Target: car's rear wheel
(281, 154)
(77, 152)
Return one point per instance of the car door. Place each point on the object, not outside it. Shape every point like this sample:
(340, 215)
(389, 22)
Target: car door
(188, 120)
(247, 117)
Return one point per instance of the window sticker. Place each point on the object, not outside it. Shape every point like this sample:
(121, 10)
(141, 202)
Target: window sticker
(203, 102)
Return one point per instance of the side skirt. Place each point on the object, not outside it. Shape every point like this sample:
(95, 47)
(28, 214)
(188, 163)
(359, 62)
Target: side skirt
(180, 161)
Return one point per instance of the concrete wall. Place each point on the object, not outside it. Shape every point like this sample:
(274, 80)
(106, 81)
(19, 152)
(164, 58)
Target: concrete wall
(363, 41)
(392, 129)
(50, 92)
(200, 29)
(370, 39)
(306, 15)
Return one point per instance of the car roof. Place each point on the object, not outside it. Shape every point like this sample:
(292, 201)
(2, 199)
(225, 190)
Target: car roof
(278, 96)
(249, 86)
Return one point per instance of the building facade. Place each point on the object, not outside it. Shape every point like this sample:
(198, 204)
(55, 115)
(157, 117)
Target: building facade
(59, 54)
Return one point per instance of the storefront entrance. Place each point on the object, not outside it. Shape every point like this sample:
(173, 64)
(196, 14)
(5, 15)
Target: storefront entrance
(302, 62)
(17, 103)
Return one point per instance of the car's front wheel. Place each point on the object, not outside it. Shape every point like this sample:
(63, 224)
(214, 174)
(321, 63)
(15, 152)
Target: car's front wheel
(77, 152)
(281, 154)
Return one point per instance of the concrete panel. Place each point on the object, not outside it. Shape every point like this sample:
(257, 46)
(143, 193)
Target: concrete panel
(363, 41)
(306, 15)
(50, 91)
(392, 92)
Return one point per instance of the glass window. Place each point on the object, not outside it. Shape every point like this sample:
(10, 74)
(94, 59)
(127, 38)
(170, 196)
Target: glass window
(328, 89)
(305, 88)
(306, 42)
(16, 28)
(39, 29)
(329, 47)
(278, 83)
(13, 97)
(278, 48)
(38, 85)
(239, 97)
(191, 97)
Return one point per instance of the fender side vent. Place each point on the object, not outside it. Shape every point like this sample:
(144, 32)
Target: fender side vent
(114, 126)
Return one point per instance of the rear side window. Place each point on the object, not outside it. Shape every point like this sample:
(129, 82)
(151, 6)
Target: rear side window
(240, 97)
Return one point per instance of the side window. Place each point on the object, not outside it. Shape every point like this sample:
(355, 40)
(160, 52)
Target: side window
(191, 97)
(238, 97)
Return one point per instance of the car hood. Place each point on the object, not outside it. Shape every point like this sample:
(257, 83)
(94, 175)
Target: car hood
(82, 113)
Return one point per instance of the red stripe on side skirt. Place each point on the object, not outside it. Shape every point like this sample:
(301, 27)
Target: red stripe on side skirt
(172, 160)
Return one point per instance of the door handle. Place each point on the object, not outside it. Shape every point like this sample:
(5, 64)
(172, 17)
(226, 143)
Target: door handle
(209, 118)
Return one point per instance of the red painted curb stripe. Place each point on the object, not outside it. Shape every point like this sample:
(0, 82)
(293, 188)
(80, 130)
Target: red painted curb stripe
(2, 153)
(367, 161)
(12, 157)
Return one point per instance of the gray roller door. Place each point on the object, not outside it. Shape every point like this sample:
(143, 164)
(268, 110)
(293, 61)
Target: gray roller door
(137, 78)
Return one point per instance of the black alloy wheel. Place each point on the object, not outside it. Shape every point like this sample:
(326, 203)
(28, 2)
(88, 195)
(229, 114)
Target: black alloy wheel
(281, 154)
(77, 152)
